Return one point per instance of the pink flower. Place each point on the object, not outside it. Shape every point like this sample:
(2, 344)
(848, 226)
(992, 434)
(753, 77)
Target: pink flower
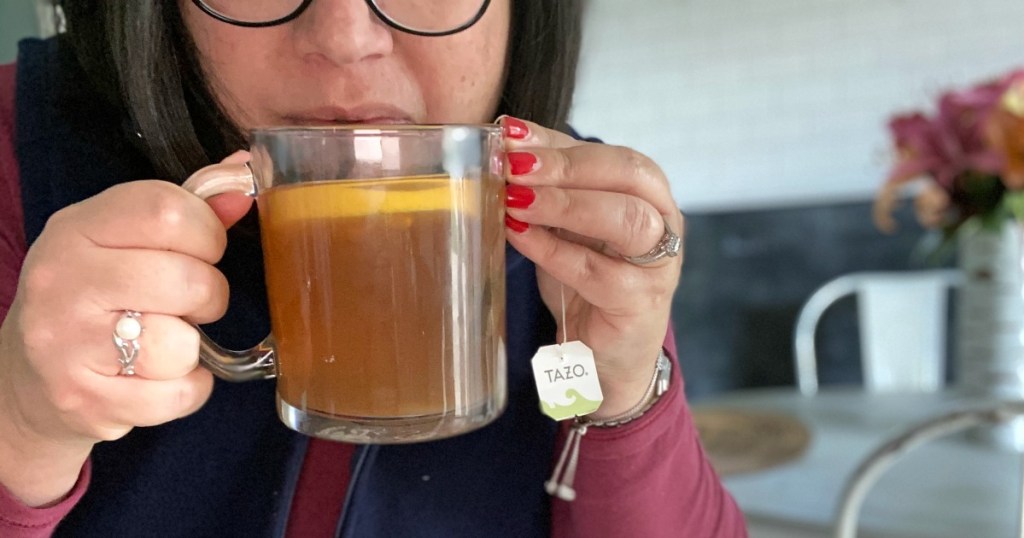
(951, 143)
(975, 135)
(919, 146)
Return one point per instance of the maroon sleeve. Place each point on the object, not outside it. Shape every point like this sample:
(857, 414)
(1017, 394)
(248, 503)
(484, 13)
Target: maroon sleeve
(20, 521)
(16, 519)
(648, 478)
(12, 227)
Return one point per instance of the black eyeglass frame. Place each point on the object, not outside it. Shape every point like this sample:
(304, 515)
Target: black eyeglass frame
(371, 3)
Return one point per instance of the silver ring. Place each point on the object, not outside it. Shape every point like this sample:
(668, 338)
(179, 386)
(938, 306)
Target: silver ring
(669, 246)
(126, 338)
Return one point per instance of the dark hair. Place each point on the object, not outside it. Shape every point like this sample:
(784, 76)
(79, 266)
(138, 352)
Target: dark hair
(138, 55)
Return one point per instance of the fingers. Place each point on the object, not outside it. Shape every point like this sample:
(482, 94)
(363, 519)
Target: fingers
(230, 207)
(593, 167)
(155, 282)
(239, 157)
(609, 283)
(610, 196)
(168, 349)
(525, 134)
(578, 266)
(136, 401)
(94, 400)
(562, 161)
(627, 224)
(149, 214)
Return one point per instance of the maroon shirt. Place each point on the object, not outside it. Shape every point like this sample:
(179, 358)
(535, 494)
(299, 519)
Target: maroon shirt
(647, 478)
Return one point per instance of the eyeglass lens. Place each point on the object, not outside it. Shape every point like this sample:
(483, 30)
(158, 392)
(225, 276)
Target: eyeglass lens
(419, 15)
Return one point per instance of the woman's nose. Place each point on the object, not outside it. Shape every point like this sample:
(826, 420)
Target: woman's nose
(341, 32)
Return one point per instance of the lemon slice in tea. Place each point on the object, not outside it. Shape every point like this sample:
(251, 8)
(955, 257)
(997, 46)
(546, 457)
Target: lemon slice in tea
(357, 198)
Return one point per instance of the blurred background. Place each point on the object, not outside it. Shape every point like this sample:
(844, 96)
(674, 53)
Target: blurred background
(769, 119)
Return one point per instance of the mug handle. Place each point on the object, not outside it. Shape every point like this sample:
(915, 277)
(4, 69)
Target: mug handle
(257, 362)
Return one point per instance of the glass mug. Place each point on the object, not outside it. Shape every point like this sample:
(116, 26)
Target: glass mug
(384, 250)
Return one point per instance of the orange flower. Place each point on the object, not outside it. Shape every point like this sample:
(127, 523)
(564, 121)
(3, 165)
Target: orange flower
(1006, 133)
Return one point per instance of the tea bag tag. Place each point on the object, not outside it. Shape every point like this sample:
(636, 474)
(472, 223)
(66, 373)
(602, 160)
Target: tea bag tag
(567, 380)
(566, 376)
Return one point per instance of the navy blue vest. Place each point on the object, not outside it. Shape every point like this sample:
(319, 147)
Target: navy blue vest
(231, 468)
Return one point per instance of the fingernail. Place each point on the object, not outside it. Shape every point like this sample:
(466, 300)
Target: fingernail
(515, 128)
(521, 163)
(516, 226)
(519, 197)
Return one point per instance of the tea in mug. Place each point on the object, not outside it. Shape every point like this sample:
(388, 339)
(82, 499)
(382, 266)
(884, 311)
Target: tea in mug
(369, 306)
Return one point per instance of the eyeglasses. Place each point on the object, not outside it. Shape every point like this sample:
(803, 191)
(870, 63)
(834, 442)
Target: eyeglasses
(418, 17)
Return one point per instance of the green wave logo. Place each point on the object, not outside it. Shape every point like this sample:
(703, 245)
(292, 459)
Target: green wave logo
(579, 406)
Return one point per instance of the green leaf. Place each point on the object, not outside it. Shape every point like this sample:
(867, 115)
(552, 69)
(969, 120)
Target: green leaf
(1013, 201)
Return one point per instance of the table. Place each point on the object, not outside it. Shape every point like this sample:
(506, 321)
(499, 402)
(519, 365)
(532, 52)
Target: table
(950, 488)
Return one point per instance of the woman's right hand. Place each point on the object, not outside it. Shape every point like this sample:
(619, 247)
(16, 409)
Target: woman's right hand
(148, 246)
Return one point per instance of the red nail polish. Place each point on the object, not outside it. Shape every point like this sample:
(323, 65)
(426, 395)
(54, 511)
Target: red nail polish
(519, 197)
(521, 163)
(516, 226)
(515, 128)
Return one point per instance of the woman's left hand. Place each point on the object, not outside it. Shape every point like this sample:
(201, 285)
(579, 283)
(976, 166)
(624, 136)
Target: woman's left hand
(575, 209)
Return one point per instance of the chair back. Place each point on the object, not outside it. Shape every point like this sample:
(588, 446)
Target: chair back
(902, 321)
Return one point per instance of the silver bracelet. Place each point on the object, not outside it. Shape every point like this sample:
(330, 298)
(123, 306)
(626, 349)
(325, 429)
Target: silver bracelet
(659, 385)
(560, 483)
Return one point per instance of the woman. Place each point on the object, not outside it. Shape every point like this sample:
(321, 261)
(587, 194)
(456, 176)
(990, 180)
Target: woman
(152, 89)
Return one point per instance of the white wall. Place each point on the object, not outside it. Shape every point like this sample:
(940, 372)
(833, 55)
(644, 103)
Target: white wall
(17, 20)
(755, 103)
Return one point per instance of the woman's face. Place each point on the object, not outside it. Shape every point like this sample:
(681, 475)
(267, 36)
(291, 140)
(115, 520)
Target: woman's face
(337, 63)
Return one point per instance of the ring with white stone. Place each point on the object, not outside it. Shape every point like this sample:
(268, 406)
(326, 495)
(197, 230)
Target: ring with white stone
(126, 338)
(669, 246)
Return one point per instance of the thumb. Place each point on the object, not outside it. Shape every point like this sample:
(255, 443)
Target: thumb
(232, 206)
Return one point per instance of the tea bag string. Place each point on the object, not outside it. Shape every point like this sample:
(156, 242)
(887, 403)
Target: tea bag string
(564, 474)
(565, 327)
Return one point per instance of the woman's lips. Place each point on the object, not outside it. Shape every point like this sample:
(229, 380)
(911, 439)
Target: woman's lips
(365, 114)
(314, 122)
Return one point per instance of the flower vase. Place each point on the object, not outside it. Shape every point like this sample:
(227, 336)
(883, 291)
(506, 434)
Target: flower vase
(990, 323)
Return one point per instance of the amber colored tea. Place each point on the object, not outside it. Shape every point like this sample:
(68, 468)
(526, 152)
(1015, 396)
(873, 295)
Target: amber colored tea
(381, 293)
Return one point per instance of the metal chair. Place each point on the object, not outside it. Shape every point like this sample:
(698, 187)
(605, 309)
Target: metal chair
(902, 318)
(872, 468)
